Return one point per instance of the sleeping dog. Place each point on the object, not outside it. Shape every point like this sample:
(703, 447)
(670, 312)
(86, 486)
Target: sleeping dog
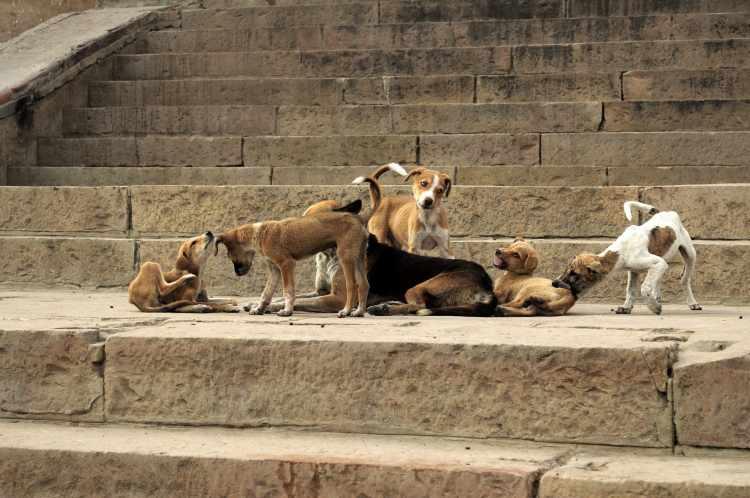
(423, 285)
(640, 248)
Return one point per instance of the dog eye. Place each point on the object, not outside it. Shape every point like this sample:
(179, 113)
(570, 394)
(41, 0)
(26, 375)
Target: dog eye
(439, 190)
(424, 183)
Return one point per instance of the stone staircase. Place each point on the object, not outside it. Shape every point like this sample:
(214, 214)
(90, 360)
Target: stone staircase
(547, 113)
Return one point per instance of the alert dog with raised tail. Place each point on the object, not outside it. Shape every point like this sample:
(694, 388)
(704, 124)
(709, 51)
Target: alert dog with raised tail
(417, 223)
(640, 249)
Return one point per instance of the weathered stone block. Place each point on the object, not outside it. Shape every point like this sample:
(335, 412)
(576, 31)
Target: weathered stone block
(714, 115)
(549, 87)
(430, 90)
(478, 149)
(532, 175)
(47, 374)
(687, 84)
(442, 10)
(497, 118)
(677, 175)
(339, 120)
(661, 149)
(333, 151)
(139, 175)
(98, 210)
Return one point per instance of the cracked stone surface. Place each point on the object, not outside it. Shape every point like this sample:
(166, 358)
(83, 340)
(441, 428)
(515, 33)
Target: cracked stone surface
(591, 377)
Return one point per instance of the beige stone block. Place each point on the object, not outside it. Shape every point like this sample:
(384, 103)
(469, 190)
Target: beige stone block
(251, 91)
(430, 90)
(626, 56)
(497, 118)
(662, 149)
(57, 261)
(549, 87)
(232, 40)
(538, 211)
(708, 212)
(714, 115)
(333, 151)
(172, 120)
(593, 8)
(139, 175)
(687, 84)
(709, 407)
(219, 277)
(189, 151)
(47, 374)
(593, 476)
(532, 175)
(677, 175)
(101, 460)
(281, 17)
(482, 149)
(339, 120)
(334, 175)
(369, 91)
(441, 10)
(97, 210)
(489, 381)
(121, 151)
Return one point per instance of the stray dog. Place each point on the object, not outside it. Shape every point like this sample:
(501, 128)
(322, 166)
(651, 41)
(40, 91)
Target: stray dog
(416, 224)
(521, 294)
(284, 242)
(181, 289)
(427, 285)
(640, 248)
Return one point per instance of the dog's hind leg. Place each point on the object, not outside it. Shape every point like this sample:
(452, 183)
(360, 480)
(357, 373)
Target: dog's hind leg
(631, 294)
(274, 275)
(166, 288)
(349, 267)
(287, 275)
(687, 251)
(363, 286)
(650, 290)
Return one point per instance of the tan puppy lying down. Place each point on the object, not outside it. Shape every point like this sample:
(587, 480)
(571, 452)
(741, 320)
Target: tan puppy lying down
(181, 289)
(282, 243)
(521, 294)
(417, 223)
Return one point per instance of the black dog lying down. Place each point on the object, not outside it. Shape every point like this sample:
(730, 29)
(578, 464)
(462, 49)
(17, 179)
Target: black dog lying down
(422, 284)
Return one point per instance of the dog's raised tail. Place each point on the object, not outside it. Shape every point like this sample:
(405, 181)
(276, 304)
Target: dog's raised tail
(638, 206)
(395, 167)
(376, 194)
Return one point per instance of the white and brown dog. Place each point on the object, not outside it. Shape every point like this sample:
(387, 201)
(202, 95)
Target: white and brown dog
(418, 223)
(641, 248)
(181, 289)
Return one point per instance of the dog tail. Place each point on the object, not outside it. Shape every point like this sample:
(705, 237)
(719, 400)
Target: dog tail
(639, 206)
(483, 305)
(376, 194)
(395, 167)
(166, 307)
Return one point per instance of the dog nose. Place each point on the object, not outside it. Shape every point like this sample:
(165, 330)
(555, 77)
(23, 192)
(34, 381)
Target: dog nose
(498, 252)
(428, 202)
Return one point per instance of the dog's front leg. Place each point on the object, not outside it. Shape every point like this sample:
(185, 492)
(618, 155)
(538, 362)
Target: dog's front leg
(287, 275)
(631, 293)
(269, 290)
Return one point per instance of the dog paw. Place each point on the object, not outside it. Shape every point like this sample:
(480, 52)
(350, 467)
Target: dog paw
(284, 312)
(257, 310)
(202, 308)
(358, 312)
(234, 309)
(424, 312)
(696, 307)
(379, 310)
(622, 310)
(655, 307)
(344, 313)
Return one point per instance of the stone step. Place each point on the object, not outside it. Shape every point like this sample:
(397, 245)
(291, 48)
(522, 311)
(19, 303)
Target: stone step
(588, 8)
(689, 148)
(527, 59)
(334, 120)
(384, 12)
(686, 85)
(102, 460)
(396, 90)
(648, 148)
(516, 175)
(715, 115)
(315, 64)
(448, 34)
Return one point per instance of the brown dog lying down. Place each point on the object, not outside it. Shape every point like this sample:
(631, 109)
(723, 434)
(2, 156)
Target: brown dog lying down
(521, 294)
(181, 289)
(426, 285)
(284, 242)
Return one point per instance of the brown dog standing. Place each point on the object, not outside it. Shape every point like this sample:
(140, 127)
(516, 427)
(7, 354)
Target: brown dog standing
(180, 289)
(521, 294)
(282, 243)
(418, 223)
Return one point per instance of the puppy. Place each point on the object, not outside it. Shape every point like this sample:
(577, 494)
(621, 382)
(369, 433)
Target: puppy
(422, 285)
(282, 243)
(417, 223)
(641, 248)
(521, 294)
(181, 289)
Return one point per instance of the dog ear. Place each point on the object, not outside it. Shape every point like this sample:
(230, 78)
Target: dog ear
(448, 185)
(531, 261)
(219, 240)
(519, 238)
(595, 266)
(415, 171)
